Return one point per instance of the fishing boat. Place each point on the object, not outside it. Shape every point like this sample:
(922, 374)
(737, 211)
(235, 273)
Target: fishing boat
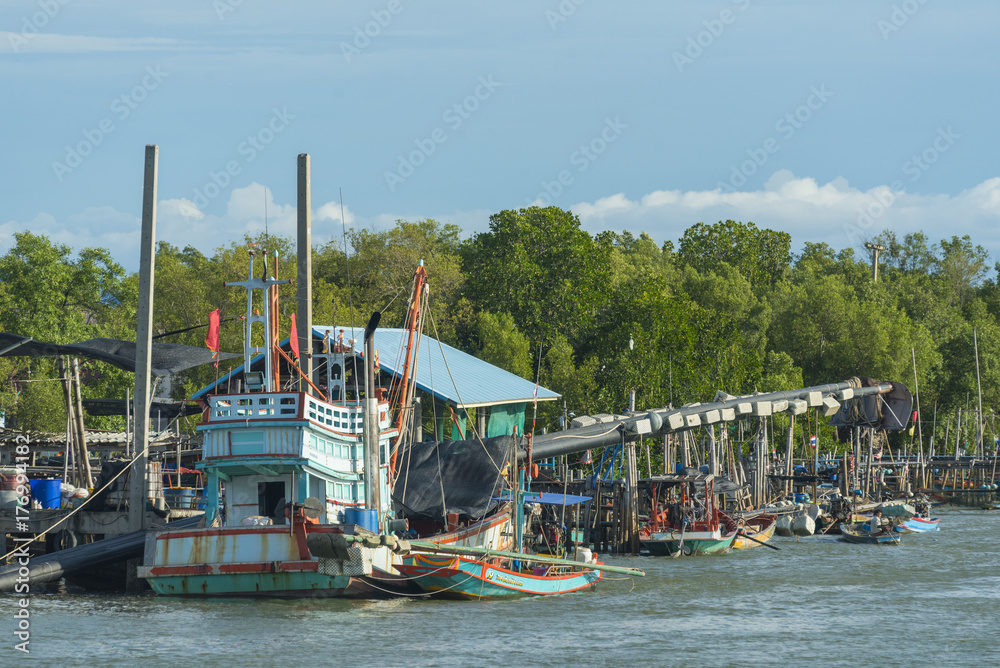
(691, 524)
(755, 531)
(288, 469)
(918, 525)
(858, 533)
(451, 576)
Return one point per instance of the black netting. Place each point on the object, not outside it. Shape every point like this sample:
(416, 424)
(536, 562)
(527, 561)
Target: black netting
(167, 358)
(467, 473)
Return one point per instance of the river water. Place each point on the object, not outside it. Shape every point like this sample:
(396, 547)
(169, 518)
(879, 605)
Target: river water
(931, 601)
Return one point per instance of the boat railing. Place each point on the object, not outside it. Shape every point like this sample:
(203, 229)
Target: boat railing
(347, 419)
(263, 406)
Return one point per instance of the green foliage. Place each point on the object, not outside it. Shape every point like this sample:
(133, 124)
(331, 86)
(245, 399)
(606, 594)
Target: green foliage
(539, 266)
(538, 295)
(762, 256)
(502, 345)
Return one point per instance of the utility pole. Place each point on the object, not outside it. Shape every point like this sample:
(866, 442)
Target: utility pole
(875, 248)
(137, 486)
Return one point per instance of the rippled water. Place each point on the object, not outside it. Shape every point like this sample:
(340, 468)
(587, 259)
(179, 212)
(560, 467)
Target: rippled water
(931, 601)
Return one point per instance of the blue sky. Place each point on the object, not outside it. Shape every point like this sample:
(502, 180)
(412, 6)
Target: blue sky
(829, 120)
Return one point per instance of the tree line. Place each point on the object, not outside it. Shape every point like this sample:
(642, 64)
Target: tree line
(729, 307)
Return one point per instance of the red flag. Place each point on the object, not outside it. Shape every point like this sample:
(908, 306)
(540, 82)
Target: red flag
(212, 338)
(293, 340)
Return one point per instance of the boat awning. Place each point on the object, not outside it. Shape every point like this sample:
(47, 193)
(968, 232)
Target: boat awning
(551, 498)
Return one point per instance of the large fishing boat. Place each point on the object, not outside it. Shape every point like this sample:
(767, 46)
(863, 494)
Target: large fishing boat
(288, 469)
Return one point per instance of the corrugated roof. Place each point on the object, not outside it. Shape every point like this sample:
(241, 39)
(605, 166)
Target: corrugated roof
(476, 383)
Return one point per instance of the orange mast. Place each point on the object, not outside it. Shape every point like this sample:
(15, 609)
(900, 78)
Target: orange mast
(412, 320)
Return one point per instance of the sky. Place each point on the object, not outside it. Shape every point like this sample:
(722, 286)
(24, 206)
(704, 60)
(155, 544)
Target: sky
(830, 120)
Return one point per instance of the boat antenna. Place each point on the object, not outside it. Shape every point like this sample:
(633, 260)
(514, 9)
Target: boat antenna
(350, 299)
(343, 223)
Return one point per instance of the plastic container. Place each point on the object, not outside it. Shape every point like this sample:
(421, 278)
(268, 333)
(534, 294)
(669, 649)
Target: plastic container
(584, 555)
(8, 478)
(8, 498)
(179, 497)
(47, 492)
(366, 518)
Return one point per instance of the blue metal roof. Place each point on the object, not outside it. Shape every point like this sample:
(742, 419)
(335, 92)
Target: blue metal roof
(476, 383)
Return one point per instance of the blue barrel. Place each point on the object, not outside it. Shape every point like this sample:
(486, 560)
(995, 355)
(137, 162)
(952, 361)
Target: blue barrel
(47, 492)
(179, 497)
(366, 518)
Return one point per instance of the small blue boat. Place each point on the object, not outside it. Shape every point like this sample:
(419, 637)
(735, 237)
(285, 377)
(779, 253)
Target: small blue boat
(918, 525)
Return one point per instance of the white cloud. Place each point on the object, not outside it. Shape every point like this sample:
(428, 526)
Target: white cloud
(41, 42)
(833, 212)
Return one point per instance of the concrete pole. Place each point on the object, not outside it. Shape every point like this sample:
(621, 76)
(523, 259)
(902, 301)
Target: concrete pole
(789, 445)
(713, 456)
(143, 345)
(304, 290)
(373, 459)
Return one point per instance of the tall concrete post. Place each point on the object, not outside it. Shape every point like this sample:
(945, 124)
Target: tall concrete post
(304, 289)
(137, 491)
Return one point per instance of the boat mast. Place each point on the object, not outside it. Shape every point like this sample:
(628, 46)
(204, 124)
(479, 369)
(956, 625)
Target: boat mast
(265, 285)
(413, 319)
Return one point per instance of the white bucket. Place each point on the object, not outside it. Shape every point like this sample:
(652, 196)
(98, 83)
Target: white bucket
(584, 555)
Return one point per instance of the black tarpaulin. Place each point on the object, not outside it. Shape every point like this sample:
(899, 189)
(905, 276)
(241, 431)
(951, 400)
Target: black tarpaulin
(468, 473)
(166, 358)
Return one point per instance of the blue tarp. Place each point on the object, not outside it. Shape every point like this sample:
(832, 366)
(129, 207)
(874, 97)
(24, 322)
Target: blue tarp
(554, 498)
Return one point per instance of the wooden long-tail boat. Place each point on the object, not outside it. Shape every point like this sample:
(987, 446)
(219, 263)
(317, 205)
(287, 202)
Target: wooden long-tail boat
(858, 533)
(760, 528)
(449, 576)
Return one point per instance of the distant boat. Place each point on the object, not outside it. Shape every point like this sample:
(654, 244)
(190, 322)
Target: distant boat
(448, 576)
(858, 533)
(693, 524)
(918, 525)
(759, 528)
